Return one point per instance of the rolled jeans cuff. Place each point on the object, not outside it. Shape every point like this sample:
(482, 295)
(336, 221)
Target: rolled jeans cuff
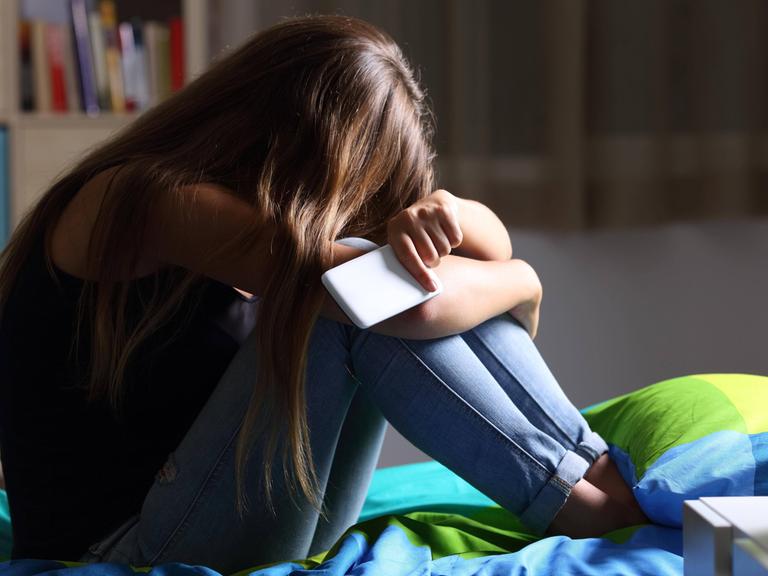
(591, 447)
(547, 503)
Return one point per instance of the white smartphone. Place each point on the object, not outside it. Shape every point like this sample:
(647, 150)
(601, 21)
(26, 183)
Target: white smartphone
(376, 286)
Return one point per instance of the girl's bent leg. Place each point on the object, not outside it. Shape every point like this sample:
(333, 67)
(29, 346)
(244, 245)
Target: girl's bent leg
(354, 462)
(507, 351)
(437, 392)
(189, 513)
(441, 396)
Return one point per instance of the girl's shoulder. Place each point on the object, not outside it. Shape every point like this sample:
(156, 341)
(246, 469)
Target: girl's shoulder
(72, 230)
(203, 228)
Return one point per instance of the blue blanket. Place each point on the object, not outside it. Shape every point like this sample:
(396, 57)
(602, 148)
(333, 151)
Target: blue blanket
(674, 440)
(423, 519)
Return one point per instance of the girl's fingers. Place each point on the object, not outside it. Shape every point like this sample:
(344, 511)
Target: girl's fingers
(422, 234)
(406, 252)
(440, 242)
(449, 223)
(425, 247)
(453, 232)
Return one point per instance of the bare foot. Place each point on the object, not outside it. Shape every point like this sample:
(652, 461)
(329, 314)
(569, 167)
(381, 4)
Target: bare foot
(606, 476)
(589, 512)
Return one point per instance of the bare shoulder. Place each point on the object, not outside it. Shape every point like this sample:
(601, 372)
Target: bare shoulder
(72, 231)
(199, 227)
(205, 233)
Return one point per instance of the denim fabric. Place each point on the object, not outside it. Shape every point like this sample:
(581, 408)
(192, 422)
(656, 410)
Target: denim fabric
(483, 403)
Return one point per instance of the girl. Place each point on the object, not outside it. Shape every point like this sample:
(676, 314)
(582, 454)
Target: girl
(176, 384)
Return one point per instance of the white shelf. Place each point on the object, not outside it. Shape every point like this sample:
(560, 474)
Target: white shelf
(74, 120)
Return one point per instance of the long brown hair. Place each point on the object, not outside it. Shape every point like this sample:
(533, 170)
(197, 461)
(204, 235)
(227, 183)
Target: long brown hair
(319, 124)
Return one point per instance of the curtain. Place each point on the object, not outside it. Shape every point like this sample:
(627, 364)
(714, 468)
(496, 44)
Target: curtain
(579, 113)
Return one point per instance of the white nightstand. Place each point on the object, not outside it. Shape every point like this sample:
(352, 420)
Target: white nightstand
(726, 536)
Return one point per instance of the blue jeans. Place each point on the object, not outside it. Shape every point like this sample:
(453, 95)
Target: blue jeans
(483, 403)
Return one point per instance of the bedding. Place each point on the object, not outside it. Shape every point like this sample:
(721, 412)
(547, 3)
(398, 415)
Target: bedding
(674, 440)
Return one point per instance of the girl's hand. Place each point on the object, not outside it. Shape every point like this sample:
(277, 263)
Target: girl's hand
(424, 232)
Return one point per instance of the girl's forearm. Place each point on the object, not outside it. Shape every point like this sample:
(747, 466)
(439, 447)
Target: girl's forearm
(485, 236)
(473, 291)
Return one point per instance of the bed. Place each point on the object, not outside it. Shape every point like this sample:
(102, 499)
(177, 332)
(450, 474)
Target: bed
(701, 435)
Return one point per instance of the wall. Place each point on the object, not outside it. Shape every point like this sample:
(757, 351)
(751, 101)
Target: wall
(623, 309)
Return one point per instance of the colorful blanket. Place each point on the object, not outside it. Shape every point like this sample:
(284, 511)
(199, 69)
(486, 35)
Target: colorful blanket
(674, 440)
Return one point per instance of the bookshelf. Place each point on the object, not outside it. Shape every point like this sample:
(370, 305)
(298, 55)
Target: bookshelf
(40, 145)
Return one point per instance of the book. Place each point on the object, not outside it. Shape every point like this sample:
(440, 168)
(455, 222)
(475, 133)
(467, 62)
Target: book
(26, 80)
(41, 79)
(129, 65)
(54, 46)
(112, 55)
(177, 53)
(84, 57)
(142, 66)
(164, 62)
(158, 65)
(5, 188)
(70, 69)
(98, 49)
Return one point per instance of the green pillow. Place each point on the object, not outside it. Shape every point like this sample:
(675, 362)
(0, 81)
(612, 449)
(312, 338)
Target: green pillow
(680, 439)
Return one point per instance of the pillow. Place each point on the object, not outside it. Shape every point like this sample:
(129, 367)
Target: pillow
(680, 439)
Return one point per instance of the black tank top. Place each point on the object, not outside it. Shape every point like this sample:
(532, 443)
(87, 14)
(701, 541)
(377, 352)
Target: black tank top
(74, 470)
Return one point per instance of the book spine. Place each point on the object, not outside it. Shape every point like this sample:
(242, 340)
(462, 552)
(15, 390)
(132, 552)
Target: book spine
(112, 55)
(41, 75)
(128, 59)
(142, 65)
(70, 69)
(26, 79)
(5, 205)
(54, 44)
(84, 56)
(164, 62)
(153, 65)
(99, 59)
(177, 53)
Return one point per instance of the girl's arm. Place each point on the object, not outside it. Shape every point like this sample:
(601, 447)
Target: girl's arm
(484, 235)
(480, 280)
(473, 291)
